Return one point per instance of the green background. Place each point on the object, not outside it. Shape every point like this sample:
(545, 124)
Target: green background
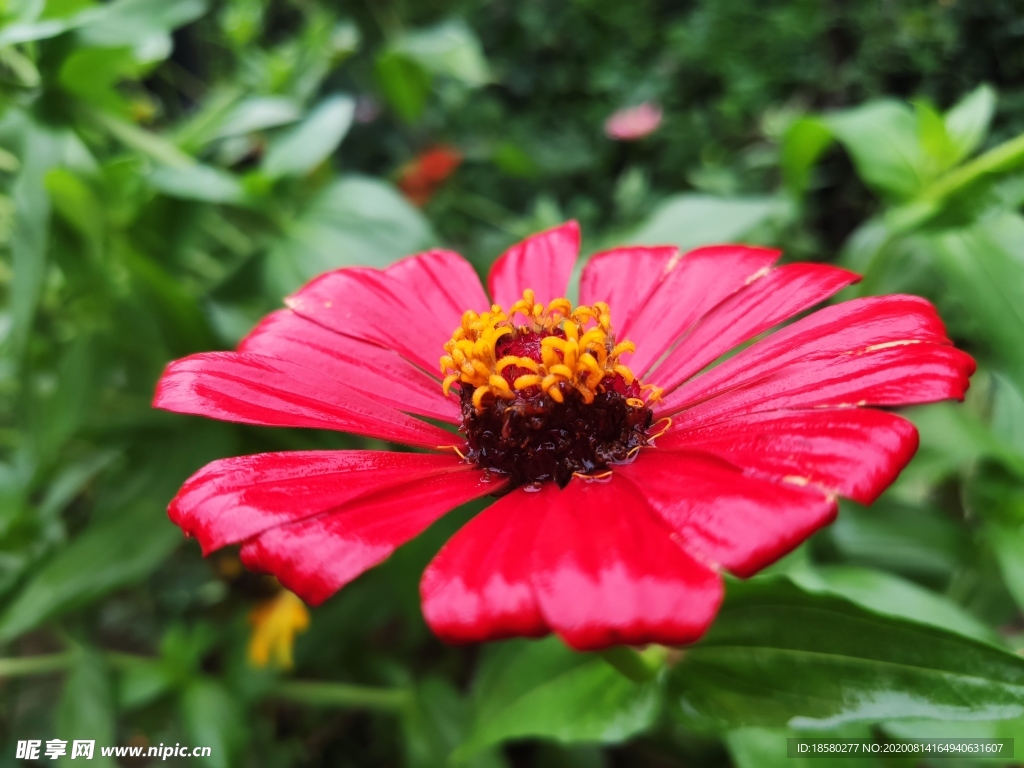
(170, 169)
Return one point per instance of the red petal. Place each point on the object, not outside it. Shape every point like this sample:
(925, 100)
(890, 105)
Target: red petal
(766, 302)
(234, 499)
(689, 288)
(317, 556)
(720, 516)
(380, 374)
(884, 350)
(853, 452)
(606, 571)
(624, 279)
(253, 389)
(478, 587)
(411, 307)
(542, 262)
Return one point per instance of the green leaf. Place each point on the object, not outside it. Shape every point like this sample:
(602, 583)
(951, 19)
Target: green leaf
(541, 689)
(691, 220)
(913, 730)
(882, 139)
(910, 539)
(1007, 541)
(304, 147)
(40, 151)
(92, 75)
(257, 114)
(768, 748)
(199, 182)
(982, 266)
(405, 84)
(939, 152)
(449, 49)
(436, 724)
(78, 205)
(355, 220)
(968, 121)
(953, 438)
(213, 719)
(1008, 417)
(802, 145)
(131, 22)
(86, 709)
(146, 142)
(140, 682)
(778, 656)
(126, 544)
(87, 568)
(891, 595)
(15, 34)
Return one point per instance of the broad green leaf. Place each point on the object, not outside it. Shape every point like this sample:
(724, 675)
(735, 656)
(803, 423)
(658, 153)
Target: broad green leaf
(954, 437)
(913, 730)
(691, 220)
(965, 729)
(937, 148)
(141, 681)
(914, 539)
(802, 145)
(199, 182)
(768, 748)
(92, 74)
(355, 220)
(449, 49)
(40, 151)
(779, 656)
(882, 139)
(983, 267)
(405, 83)
(436, 724)
(257, 114)
(1007, 541)
(86, 710)
(891, 595)
(14, 34)
(128, 22)
(213, 719)
(1008, 415)
(304, 147)
(541, 689)
(968, 121)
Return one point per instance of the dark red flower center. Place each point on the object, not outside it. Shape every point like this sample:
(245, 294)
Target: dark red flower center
(548, 398)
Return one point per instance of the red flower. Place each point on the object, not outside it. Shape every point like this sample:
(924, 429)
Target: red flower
(619, 501)
(422, 177)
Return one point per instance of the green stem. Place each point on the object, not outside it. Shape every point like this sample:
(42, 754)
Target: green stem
(997, 159)
(343, 695)
(308, 692)
(929, 203)
(36, 665)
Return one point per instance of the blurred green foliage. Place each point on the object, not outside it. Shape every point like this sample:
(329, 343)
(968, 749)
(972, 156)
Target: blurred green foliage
(169, 169)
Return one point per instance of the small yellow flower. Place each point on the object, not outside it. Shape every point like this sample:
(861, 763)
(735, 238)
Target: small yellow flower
(274, 626)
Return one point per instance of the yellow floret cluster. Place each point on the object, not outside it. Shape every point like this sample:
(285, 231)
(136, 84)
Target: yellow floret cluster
(583, 359)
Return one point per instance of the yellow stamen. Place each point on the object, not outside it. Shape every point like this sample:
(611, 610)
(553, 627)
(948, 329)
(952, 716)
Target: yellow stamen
(578, 351)
(274, 626)
(668, 424)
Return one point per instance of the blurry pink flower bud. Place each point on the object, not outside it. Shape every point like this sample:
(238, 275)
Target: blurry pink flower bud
(634, 122)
